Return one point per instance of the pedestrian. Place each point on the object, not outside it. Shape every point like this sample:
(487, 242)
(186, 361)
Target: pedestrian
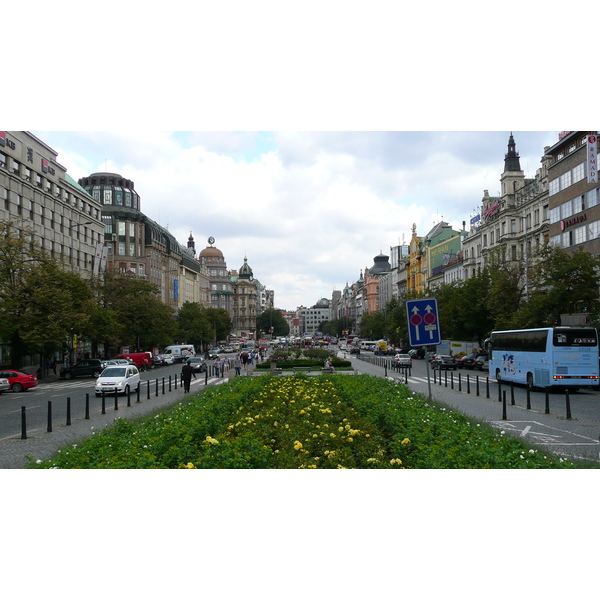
(47, 368)
(217, 367)
(187, 372)
(237, 365)
(54, 364)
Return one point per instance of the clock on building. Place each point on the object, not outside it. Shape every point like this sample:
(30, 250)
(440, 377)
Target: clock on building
(211, 240)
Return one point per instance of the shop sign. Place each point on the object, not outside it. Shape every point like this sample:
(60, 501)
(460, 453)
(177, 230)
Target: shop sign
(568, 222)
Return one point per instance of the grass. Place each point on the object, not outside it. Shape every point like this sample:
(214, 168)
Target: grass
(329, 421)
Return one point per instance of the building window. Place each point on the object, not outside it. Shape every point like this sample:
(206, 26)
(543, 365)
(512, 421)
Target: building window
(121, 248)
(127, 198)
(579, 235)
(566, 209)
(121, 226)
(553, 187)
(132, 229)
(107, 196)
(118, 196)
(131, 249)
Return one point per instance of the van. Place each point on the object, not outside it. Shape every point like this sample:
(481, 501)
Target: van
(180, 351)
(367, 345)
(142, 360)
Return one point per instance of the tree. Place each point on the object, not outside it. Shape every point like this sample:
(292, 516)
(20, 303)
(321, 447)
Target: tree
(132, 313)
(41, 303)
(272, 318)
(565, 283)
(194, 326)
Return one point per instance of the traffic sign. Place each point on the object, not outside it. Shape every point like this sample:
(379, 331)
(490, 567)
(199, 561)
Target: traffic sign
(423, 322)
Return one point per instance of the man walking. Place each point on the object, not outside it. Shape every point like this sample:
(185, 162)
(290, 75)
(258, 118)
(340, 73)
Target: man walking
(187, 372)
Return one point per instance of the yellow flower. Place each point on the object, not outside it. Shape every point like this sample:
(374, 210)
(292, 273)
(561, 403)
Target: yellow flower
(350, 439)
(190, 466)
(297, 445)
(405, 441)
(340, 429)
(395, 461)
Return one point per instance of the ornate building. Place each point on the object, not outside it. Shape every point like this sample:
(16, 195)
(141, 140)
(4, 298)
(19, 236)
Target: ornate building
(221, 289)
(381, 266)
(246, 302)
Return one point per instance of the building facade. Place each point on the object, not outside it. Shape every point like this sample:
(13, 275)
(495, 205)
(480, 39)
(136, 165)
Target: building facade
(41, 199)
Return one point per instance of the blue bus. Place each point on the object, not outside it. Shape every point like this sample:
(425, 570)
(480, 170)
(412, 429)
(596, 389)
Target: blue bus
(545, 357)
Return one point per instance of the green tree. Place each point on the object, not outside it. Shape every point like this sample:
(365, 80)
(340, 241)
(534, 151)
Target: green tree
(372, 325)
(194, 326)
(41, 303)
(272, 318)
(565, 283)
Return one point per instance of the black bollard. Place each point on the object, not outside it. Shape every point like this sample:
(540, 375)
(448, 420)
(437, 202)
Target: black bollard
(128, 396)
(512, 393)
(23, 424)
(163, 386)
(103, 403)
(49, 428)
(499, 390)
(169, 383)
(504, 405)
(87, 406)
(68, 410)
(487, 387)
(568, 403)
(206, 377)
(175, 380)
(138, 391)
(459, 382)
(547, 410)
(385, 370)
(148, 389)
(445, 378)
(528, 398)
(116, 400)
(468, 384)
(156, 388)
(477, 385)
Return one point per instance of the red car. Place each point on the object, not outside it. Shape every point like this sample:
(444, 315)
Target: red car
(19, 382)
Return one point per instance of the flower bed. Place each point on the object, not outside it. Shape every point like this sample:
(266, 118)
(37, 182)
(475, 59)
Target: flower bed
(303, 422)
(305, 362)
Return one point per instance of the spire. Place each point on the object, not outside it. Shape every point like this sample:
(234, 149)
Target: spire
(511, 159)
(191, 245)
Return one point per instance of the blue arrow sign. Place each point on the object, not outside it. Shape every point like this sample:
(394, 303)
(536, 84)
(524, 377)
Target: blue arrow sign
(423, 322)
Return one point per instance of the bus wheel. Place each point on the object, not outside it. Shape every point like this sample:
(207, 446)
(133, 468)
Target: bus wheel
(498, 377)
(530, 385)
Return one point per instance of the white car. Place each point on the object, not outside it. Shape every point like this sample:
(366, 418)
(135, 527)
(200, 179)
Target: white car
(167, 358)
(122, 378)
(4, 385)
(403, 359)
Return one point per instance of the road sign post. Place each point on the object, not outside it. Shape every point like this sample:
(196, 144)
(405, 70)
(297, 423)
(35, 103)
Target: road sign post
(423, 326)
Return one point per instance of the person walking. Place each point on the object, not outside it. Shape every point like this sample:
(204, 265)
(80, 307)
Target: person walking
(217, 367)
(187, 372)
(237, 365)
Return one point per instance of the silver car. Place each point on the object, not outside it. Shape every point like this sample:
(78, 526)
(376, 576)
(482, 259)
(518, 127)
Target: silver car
(4, 385)
(120, 378)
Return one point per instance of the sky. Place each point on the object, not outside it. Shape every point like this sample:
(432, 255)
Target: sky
(309, 210)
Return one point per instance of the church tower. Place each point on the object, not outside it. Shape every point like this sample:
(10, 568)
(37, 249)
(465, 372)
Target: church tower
(512, 179)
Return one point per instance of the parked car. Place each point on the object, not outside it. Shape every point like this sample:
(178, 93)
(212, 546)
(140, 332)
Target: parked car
(197, 363)
(466, 362)
(431, 356)
(444, 361)
(354, 350)
(89, 367)
(142, 360)
(120, 378)
(403, 359)
(18, 381)
(4, 385)
(117, 361)
(168, 359)
(158, 361)
(481, 363)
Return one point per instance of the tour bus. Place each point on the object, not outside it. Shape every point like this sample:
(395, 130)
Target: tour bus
(545, 357)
